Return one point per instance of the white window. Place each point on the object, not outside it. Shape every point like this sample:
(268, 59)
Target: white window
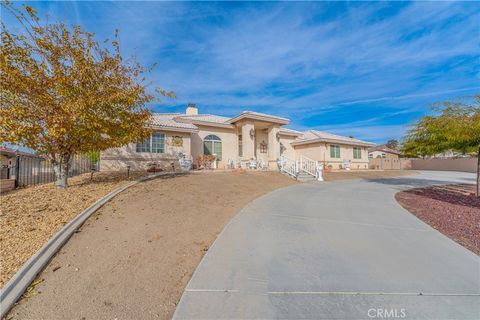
(357, 153)
(334, 151)
(212, 145)
(154, 144)
(158, 142)
(240, 146)
(143, 146)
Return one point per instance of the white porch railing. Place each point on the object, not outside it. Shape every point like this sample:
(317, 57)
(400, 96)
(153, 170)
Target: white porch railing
(288, 166)
(308, 165)
(304, 164)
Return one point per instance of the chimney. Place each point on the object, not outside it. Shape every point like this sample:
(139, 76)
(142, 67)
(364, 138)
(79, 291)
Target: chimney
(192, 110)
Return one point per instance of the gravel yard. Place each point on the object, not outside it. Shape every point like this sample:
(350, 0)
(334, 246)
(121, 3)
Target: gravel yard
(133, 257)
(29, 217)
(454, 210)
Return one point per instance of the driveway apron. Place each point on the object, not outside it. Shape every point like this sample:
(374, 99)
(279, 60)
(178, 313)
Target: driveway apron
(335, 250)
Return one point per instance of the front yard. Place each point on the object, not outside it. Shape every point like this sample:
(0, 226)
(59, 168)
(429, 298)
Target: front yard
(29, 217)
(149, 239)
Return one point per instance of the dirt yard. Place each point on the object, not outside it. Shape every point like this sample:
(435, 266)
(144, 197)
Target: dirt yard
(453, 210)
(31, 216)
(365, 174)
(134, 257)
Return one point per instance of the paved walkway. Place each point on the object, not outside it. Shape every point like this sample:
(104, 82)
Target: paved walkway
(338, 250)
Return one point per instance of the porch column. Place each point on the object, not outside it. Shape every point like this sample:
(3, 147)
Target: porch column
(273, 143)
(247, 140)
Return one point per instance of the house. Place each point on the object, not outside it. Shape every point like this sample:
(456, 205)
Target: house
(8, 160)
(233, 141)
(10, 174)
(384, 152)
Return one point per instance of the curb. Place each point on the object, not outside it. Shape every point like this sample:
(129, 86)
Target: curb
(17, 285)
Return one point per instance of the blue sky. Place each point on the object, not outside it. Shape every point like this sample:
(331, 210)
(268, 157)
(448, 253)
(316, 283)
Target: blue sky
(366, 69)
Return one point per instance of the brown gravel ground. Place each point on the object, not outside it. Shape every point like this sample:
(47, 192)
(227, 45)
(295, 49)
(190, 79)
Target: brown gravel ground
(454, 210)
(365, 174)
(30, 216)
(134, 257)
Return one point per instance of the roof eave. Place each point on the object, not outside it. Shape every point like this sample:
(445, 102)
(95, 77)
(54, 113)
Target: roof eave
(204, 123)
(260, 118)
(353, 143)
(213, 124)
(174, 129)
(292, 134)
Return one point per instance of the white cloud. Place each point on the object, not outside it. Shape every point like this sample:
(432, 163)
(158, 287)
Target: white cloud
(298, 59)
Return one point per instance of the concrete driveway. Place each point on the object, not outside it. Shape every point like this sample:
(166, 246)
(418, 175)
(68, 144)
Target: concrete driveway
(335, 250)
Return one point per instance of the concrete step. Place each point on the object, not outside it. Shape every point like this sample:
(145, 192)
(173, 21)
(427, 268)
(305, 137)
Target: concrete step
(305, 177)
(303, 174)
(302, 177)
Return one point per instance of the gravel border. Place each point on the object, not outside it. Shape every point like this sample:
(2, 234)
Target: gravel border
(17, 285)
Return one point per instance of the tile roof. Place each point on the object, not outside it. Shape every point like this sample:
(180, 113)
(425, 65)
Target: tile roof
(264, 115)
(204, 118)
(288, 130)
(259, 116)
(184, 121)
(315, 135)
(167, 120)
(187, 122)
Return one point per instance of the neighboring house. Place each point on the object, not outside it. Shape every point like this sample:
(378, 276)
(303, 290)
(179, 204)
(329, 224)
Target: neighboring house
(9, 159)
(382, 151)
(237, 140)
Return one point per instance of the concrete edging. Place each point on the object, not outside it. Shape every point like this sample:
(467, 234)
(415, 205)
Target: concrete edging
(17, 285)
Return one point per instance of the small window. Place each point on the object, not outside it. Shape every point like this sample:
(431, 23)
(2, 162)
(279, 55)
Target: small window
(263, 147)
(334, 151)
(154, 144)
(240, 146)
(212, 145)
(143, 146)
(158, 142)
(357, 153)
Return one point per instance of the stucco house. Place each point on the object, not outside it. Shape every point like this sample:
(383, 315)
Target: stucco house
(234, 141)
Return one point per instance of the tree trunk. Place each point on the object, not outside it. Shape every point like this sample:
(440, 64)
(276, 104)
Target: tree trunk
(478, 172)
(61, 171)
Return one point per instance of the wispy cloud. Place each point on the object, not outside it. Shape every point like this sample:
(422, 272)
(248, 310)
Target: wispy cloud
(323, 64)
(372, 133)
(407, 96)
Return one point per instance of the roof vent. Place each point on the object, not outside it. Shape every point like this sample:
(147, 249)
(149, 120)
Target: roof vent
(192, 110)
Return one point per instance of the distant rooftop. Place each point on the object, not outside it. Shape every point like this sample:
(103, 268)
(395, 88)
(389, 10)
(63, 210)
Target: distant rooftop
(384, 148)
